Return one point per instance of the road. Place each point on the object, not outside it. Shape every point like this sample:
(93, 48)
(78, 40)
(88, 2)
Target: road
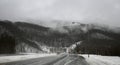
(62, 59)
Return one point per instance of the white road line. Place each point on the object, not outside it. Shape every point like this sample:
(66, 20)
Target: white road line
(69, 62)
(59, 62)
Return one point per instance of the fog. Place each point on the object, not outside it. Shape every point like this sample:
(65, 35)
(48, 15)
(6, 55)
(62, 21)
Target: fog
(84, 11)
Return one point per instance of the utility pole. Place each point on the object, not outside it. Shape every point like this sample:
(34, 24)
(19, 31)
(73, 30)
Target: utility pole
(88, 42)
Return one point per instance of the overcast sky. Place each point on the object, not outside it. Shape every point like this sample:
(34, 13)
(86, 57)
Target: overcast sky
(100, 11)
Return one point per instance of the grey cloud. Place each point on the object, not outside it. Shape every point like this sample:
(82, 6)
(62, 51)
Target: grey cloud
(100, 11)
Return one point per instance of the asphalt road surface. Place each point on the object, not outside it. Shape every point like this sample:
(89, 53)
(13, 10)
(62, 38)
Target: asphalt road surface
(62, 59)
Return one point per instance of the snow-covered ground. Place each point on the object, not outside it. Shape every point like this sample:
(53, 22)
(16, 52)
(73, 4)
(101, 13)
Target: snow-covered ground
(11, 58)
(102, 60)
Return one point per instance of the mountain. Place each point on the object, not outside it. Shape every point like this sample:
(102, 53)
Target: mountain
(96, 39)
(13, 39)
(44, 35)
(22, 37)
(100, 40)
(28, 37)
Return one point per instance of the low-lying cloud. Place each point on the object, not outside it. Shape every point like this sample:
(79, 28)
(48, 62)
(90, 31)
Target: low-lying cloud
(100, 11)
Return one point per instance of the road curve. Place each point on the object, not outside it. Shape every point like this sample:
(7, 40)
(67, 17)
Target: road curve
(72, 59)
(62, 59)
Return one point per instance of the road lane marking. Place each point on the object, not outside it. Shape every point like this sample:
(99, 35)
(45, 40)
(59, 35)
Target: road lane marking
(69, 61)
(61, 61)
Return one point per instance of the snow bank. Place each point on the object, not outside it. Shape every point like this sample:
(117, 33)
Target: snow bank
(102, 60)
(4, 59)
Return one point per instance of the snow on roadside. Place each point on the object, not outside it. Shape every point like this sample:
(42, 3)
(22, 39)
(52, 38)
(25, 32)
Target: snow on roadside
(4, 59)
(102, 60)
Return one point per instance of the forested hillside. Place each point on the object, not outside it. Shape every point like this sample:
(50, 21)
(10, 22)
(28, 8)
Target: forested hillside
(101, 40)
(29, 37)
